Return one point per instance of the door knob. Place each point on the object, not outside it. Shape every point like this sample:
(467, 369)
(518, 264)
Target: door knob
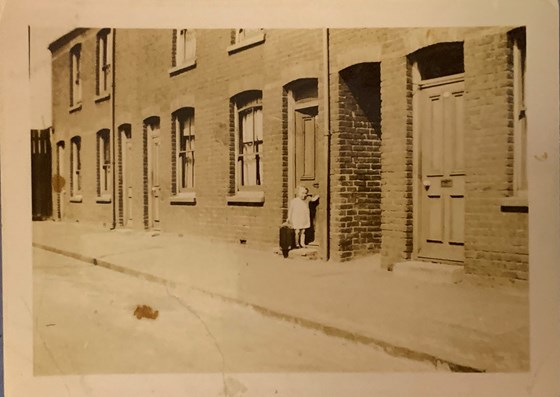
(426, 183)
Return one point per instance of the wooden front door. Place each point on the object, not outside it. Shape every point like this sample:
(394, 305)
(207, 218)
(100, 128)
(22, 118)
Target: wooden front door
(442, 179)
(126, 156)
(153, 170)
(306, 168)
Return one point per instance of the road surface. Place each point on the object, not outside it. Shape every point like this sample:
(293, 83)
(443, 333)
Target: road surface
(84, 324)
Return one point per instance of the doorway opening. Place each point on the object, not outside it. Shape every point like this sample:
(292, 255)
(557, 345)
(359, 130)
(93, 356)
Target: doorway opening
(125, 177)
(304, 143)
(152, 186)
(439, 166)
(358, 163)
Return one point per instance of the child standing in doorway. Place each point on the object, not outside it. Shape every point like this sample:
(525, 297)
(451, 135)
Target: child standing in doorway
(298, 214)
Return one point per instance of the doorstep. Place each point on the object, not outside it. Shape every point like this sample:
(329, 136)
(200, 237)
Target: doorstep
(430, 271)
(309, 252)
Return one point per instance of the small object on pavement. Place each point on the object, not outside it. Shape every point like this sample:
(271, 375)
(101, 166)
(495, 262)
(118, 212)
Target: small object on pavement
(144, 311)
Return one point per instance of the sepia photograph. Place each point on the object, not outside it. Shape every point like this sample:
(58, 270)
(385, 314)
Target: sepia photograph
(321, 203)
(282, 200)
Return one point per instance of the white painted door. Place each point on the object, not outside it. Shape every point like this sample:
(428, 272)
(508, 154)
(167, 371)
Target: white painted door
(126, 156)
(442, 185)
(153, 167)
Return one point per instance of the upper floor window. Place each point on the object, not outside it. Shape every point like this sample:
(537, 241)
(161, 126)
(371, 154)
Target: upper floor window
(183, 120)
(519, 114)
(75, 167)
(75, 77)
(243, 34)
(104, 163)
(249, 139)
(103, 61)
(243, 38)
(184, 49)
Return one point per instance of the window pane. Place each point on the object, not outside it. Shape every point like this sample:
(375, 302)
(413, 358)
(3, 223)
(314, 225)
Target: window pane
(191, 143)
(185, 149)
(107, 148)
(182, 140)
(190, 170)
(190, 45)
(104, 61)
(259, 167)
(180, 46)
(183, 143)
(77, 95)
(243, 33)
(182, 169)
(247, 127)
(76, 178)
(185, 46)
(520, 122)
(191, 125)
(79, 161)
(258, 125)
(250, 170)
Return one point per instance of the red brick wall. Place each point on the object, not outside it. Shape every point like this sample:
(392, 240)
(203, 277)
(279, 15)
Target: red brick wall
(396, 161)
(216, 77)
(371, 175)
(496, 241)
(85, 122)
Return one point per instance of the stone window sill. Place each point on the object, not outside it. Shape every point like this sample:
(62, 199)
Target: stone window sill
(104, 199)
(102, 97)
(75, 108)
(248, 42)
(246, 198)
(76, 199)
(187, 65)
(514, 204)
(184, 198)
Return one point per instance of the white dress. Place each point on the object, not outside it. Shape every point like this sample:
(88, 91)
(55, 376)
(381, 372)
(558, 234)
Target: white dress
(298, 213)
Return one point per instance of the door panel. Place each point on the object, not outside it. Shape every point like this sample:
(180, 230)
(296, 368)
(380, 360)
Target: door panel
(306, 136)
(457, 213)
(436, 143)
(309, 147)
(436, 219)
(442, 172)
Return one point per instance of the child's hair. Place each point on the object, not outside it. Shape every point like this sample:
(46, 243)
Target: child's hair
(301, 187)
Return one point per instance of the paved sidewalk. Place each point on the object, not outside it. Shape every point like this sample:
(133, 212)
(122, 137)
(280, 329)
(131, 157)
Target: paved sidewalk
(461, 326)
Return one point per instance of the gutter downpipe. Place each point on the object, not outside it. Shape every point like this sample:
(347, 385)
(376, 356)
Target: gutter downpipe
(327, 140)
(113, 122)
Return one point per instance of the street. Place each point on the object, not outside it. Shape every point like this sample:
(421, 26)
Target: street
(84, 324)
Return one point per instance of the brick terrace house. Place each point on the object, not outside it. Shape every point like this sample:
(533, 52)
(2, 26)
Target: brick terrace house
(414, 139)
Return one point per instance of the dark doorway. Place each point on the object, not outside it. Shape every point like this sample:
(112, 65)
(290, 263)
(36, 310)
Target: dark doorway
(41, 168)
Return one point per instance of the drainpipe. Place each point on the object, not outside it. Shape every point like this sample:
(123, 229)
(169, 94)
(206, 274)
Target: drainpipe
(327, 140)
(113, 122)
